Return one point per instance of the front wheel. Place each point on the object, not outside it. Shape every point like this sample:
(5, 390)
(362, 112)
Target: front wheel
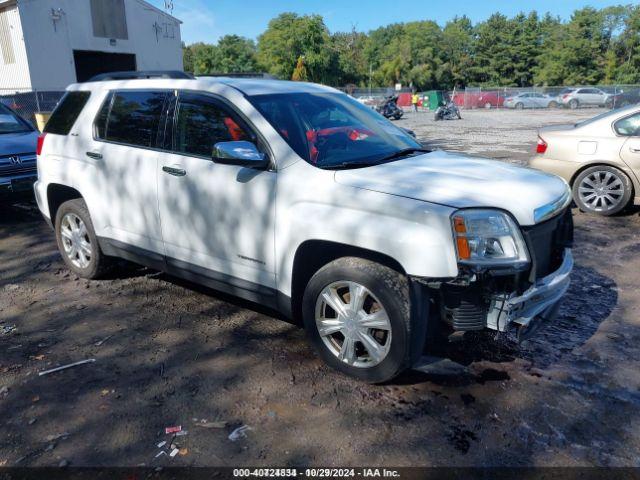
(602, 190)
(357, 316)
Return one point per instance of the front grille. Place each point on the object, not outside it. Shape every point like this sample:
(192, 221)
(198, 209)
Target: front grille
(17, 170)
(546, 242)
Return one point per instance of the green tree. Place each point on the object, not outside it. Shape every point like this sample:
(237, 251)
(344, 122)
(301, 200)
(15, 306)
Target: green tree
(290, 36)
(300, 72)
(629, 70)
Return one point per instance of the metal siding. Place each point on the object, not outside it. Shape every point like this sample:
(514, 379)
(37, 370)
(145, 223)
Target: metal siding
(14, 67)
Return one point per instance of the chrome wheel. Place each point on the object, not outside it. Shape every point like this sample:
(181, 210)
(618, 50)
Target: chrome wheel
(353, 324)
(75, 240)
(601, 191)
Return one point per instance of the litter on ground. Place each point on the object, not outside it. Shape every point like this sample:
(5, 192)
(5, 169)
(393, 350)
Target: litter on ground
(64, 367)
(239, 433)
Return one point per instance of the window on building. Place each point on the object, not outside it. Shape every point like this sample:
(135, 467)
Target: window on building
(132, 118)
(109, 19)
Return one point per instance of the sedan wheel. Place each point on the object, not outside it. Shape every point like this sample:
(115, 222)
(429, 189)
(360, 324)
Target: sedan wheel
(603, 190)
(76, 241)
(353, 324)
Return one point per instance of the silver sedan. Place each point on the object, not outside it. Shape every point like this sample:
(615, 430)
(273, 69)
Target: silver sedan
(599, 158)
(530, 100)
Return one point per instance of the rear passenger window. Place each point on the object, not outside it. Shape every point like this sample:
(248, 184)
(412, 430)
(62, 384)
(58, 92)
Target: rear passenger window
(131, 117)
(66, 113)
(202, 122)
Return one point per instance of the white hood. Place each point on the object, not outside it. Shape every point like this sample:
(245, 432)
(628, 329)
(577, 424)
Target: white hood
(460, 181)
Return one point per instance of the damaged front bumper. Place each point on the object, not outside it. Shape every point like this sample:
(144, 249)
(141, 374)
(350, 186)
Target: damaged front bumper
(536, 301)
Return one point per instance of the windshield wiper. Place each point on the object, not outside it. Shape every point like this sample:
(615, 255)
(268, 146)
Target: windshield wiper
(403, 153)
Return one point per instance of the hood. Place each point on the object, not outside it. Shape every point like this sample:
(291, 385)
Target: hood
(13, 143)
(461, 181)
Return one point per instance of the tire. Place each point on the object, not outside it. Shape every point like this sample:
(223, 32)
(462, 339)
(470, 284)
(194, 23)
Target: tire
(590, 197)
(552, 104)
(340, 280)
(519, 106)
(397, 116)
(487, 106)
(85, 262)
(608, 104)
(573, 104)
(436, 117)
(458, 115)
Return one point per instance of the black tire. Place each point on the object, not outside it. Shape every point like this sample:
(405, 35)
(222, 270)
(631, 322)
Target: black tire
(392, 291)
(625, 198)
(573, 104)
(436, 117)
(397, 116)
(552, 104)
(519, 106)
(99, 264)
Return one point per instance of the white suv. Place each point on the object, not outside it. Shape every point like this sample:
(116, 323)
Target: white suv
(298, 197)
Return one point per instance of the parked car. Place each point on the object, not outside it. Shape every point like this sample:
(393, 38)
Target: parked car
(26, 104)
(627, 97)
(586, 97)
(599, 158)
(296, 196)
(530, 100)
(486, 100)
(17, 153)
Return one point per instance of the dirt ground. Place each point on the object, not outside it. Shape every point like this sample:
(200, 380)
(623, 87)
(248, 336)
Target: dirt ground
(170, 353)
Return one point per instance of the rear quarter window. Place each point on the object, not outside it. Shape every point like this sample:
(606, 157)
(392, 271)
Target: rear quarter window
(67, 112)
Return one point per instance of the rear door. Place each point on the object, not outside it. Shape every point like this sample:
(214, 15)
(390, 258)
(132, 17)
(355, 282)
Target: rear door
(217, 220)
(124, 152)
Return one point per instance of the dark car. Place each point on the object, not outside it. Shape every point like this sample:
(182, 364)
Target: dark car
(627, 97)
(18, 140)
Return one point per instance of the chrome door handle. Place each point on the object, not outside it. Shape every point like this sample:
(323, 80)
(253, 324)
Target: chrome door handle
(94, 155)
(176, 172)
(634, 150)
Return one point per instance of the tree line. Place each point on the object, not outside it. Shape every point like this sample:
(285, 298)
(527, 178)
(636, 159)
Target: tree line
(592, 47)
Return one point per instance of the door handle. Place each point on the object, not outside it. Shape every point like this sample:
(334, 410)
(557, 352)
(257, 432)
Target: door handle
(94, 155)
(176, 172)
(634, 150)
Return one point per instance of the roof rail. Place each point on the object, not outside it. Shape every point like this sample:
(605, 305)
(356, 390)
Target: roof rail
(175, 74)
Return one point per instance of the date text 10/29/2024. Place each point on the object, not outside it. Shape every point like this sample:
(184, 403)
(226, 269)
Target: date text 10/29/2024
(316, 472)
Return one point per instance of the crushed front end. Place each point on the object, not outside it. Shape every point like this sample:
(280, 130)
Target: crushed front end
(518, 276)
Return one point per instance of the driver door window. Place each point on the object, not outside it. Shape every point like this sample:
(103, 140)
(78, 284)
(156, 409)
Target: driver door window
(201, 122)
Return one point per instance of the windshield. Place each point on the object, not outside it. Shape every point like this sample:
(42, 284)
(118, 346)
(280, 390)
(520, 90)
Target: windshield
(332, 130)
(11, 123)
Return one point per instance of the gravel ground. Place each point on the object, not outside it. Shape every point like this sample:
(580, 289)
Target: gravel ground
(171, 353)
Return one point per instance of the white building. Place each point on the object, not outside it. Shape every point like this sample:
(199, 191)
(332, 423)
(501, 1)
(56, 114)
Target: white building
(48, 44)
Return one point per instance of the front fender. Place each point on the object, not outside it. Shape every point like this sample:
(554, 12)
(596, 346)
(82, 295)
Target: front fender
(415, 234)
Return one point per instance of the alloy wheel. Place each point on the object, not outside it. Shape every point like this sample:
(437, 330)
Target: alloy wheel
(353, 324)
(601, 191)
(75, 240)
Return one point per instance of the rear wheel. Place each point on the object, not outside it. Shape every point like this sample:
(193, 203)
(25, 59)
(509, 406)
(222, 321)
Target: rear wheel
(77, 240)
(356, 314)
(602, 189)
(487, 106)
(573, 104)
(519, 106)
(553, 104)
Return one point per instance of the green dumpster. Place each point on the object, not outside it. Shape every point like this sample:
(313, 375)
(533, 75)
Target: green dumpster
(435, 98)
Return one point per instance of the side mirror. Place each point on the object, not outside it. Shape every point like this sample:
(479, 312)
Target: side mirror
(241, 153)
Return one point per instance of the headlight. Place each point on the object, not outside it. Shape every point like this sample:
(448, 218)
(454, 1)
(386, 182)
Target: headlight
(487, 237)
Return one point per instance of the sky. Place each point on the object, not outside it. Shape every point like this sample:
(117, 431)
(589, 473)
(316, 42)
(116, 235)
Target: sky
(207, 20)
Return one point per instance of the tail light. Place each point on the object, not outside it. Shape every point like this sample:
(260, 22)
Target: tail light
(40, 143)
(542, 146)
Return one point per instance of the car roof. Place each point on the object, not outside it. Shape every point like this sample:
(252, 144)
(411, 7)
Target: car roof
(247, 86)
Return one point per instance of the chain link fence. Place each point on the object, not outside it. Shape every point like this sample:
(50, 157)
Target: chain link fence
(26, 102)
(608, 96)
